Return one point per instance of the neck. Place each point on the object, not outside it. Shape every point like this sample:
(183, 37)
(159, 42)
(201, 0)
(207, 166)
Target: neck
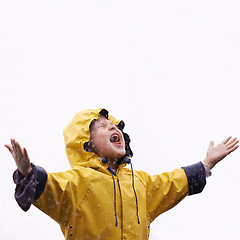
(113, 164)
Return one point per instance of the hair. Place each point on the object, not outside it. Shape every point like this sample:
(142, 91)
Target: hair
(92, 124)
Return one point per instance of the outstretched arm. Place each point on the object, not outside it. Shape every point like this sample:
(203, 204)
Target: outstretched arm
(20, 156)
(30, 180)
(216, 153)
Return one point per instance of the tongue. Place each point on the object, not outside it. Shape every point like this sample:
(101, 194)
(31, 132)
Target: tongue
(114, 139)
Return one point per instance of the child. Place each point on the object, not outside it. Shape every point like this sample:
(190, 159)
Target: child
(99, 198)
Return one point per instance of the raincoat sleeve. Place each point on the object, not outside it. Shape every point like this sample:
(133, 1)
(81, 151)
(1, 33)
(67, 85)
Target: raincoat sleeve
(166, 190)
(196, 175)
(28, 189)
(56, 194)
(63, 192)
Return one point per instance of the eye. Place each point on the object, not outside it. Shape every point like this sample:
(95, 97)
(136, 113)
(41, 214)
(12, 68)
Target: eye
(102, 125)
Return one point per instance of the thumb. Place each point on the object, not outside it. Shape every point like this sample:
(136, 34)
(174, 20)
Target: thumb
(9, 148)
(211, 144)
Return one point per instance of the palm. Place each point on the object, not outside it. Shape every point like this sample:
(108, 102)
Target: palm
(217, 153)
(20, 156)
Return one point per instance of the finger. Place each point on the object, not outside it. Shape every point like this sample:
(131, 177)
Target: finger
(15, 153)
(231, 142)
(17, 148)
(229, 146)
(9, 148)
(26, 154)
(226, 140)
(232, 149)
(13, 145)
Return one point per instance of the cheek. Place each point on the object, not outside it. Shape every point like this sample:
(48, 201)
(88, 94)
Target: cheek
(123, 152)
(100, 143)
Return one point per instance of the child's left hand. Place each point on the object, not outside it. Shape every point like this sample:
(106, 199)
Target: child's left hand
(217, 153)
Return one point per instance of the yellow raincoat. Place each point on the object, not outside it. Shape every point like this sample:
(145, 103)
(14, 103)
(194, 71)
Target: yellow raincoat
(82, 201)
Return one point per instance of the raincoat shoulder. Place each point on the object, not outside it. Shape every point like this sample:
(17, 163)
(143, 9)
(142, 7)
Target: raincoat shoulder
(63, 191)
(163, 191)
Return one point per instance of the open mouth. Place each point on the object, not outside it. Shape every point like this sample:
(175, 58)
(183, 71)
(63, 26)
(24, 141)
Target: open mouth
(114, 138)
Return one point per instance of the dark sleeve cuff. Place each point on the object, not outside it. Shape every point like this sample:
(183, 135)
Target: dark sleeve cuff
(29, 189)
(196, 176)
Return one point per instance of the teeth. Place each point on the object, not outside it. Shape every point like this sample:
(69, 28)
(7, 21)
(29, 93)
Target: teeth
(114, 138)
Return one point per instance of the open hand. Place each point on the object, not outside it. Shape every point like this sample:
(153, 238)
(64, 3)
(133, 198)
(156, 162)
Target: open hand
(217, 153)
(20, 156)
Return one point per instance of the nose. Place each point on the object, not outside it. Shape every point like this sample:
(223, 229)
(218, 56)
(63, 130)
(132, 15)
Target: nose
(112, 127)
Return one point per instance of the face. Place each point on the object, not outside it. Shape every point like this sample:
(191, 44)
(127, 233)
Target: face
(107, 140)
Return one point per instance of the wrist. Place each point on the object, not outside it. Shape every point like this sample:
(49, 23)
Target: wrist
(207, 170)
(208, 163)
(25, 172)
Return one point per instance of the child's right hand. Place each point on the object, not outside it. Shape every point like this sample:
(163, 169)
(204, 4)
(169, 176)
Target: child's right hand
(20, 156)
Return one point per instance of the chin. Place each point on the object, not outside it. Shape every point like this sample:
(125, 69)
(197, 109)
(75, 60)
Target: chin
(116, 156)
(120, 155)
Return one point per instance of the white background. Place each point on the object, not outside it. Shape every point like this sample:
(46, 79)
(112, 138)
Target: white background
(169, 69)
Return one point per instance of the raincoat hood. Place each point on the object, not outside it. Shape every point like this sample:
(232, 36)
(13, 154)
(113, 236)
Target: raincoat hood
(77, 134)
